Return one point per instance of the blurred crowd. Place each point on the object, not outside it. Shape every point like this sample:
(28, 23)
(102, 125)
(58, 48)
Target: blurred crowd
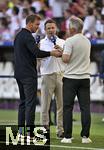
(14, 12)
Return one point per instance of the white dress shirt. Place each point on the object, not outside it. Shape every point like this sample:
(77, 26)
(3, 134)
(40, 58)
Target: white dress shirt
(51, 64)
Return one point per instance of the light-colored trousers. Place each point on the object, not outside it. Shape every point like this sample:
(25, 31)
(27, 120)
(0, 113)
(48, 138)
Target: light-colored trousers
(52, 84)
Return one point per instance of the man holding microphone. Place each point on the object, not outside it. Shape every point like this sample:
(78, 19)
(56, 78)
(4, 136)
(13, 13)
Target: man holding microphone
(52, 73)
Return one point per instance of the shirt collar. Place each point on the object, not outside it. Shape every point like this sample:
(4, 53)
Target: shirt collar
(26, 30)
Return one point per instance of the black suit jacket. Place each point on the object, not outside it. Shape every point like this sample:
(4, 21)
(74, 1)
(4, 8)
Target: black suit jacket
(25, 53)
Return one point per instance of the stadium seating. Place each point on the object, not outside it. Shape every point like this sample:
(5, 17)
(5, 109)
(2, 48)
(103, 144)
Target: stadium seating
(9, 88)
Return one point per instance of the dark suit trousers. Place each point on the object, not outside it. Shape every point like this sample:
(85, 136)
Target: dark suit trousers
(81, 89)
(27, 105)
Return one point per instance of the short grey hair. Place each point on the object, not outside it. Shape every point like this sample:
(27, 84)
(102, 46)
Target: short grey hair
(76, 23)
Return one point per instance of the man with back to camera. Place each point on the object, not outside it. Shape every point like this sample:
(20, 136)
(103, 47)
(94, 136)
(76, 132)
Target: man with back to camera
(25, 53)
(51, 71)
(76, 80)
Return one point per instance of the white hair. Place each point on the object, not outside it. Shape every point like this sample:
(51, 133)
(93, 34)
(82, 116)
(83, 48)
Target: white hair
(76, 23)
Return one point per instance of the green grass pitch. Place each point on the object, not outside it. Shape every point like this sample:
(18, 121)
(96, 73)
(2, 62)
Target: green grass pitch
(9, 117)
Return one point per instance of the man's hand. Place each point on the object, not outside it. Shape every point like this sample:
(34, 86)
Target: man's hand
(56, 53)
(58, 47)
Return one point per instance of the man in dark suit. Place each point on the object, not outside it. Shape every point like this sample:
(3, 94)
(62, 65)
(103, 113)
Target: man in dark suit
(25, 53)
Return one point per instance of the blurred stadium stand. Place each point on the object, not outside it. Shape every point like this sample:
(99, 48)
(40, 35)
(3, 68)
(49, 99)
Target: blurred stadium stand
(60, 11)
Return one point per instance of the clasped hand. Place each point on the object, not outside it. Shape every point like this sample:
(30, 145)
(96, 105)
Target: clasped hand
(56, 53)
(58, 47)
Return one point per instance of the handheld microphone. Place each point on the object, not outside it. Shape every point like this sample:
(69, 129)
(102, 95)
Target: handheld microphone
(53, 39)
(37, 39)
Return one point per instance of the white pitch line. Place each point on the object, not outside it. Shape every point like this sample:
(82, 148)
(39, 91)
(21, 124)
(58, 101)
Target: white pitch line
(73, 147)
(65, 147)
